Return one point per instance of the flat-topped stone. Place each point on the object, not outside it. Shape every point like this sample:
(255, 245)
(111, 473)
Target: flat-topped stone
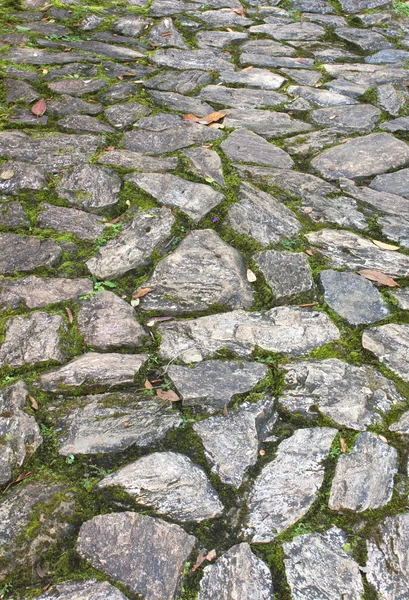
(92, 188)
(26, 253)
(247, 146)
(37, 292)
(86, 590)
(191, 59)
(287, 273)
(390, 344)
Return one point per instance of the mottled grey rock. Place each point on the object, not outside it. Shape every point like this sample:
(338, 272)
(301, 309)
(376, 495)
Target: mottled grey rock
(237, 571)
(195, 199)
(289, 484)
(360, 118)
(90, 187)
(263, 60)
(369, 75)
(137, 161)
(161, 8)
(19, 433)
(109, 50)
(356, 6)
(107, 322)
(12, 214)
(68, 105)
(134, 244)
(348, 88)
(84, 590)
(393, 183)
(354, 397)
(203, 60)
(241, 97)
(25, 177)
(174, 81)
(267, 47)
(205, 163)
(84, 226)
(304, 144)
(390, 344)
(129, 25)
(320, 97)
(20, 253)
(293, 31)
(382, 202)
(77, 87)
(396, 229)
(286, 329)
(21, 544)
(313, 6)
(123, 115)
(246, 146)
(37, 292)
(185, 104)
(32, 340)
(317, 566)
(19, 90)
(363, 478)
(261, 216)
(36, 56)
(353, 297)
(259, 78)
(84, 124)
(165, 34)
(91, 22)
(232, 441)
(402, 297)
(388, 56)
(362, 157)
(171, 484)
(303, 76)
(347, 250)
(145, 554)
(389, 99)
(93, 370)
(121, 91)
(387, 564)
(267, 123)
(219, 39)
(366, 40)
(212, 384)
(22, 115)
(223, 17)
(201, 272)
(400, 124)
(287, 273)
(341, 210)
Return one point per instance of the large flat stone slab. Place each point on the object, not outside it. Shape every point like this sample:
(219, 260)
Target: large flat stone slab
(247, 146)
(84, 226)
(37, 292)
(86, 590)
(21, 253)
(358, 118)
(269, 124)
(390, 344)
(241, 97)
(287, 273)
(204, 60)
(25, 177)
(136, 160)
(92, 188)
(258, 78)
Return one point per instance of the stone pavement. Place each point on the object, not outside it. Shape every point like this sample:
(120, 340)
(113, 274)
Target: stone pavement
(204, 296)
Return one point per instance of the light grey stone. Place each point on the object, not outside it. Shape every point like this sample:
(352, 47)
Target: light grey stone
(211, 385)
(205, 163)
(93, 370)
(354, 397)
(32, 340)
(388, 56)
(77, 87)
(360, 118)
(390, 344)
(293, 31)
(244, 145)
(182, 82)
(289, 484)
(21, 253)
(165, 34)
(223, 17)
(237, 571)
(84, 226)
(90, 187)
(353, 297)
(319, 96)
(130, 25)
(195, 199)
(36, 56)
(264, 60)
(120, 53)
(84, 124)
(137, 161)
(365, 39)
(241, 97)
(145, 554)
(317, 565)
(219, 39)
(387, 564)
(369, 75)
(402, 425)
(395, 228)
(134, 244)
(19, 433)
(122, 91)
(287, 273)
(269, 124)
(232, 441)
(347, 250)
(91, 22)
(25, 177)
(19, 91)
(390, 100)
(381, 202)
(356, 6)
(37, 292)
(286, 329)
(171, 484)
(363, 478)
(393, 183)
(123, 115)
(402, 297)
(203, 60)
(347, 88)
(84, 590)
(267, 47)
(107, 322)
(341, 210)
(201, 272)
(185, 104)
(259, 78)
(400, 124)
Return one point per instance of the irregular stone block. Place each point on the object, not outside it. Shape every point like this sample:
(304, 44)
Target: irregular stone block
(205, 163)
(287, 273)
(182, 82)
(244, 145)
(259, 78)
(37, 292)
(182, 103)
(84, 226)
(12, 214)
(77, 87)
(84, 124)
(86, 590)
(390, 344)
(135, 160)
(165, 34)
(25, 177)
(241, 97)
(269, 124)
(203, 60)
(21, 253)
(358, 118)
(92, 188)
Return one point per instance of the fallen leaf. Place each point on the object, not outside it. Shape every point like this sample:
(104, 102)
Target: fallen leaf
(379, 277)
(385, 246)
(318, 84)
(167, 395)
(308, 210)
(40, 572)
(119, 77)
(19, 478)
(33, 402)
(247, 69)
(141, 293)
(383, 439)
(155, 320)
(229, 29)
(262, 452)
(69, 315)
(148, 385)
(309, 253)
(115, 220)
(127, 423)
(108, 149)
(166, 33)
(135, 303)
(342, 445)
(8, 174)
(251, 277)
(212, 118)
(239, 11)
(333, 116)
(225, 411)
(308, 305)
(211, 555)
(199, 561)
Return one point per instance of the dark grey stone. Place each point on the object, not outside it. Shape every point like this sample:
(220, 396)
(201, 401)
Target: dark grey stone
(77, 87)
(24, 177)
(165, 34)
(36, 56)
(267, 47)
(83, 225)
(137, 161)
(116, 93)
(246, 146)
(356, 6)
(108, 50)
(219, 39)
(341, 210)
(123, 115)
(263, 60)
(259, 78)
(391, 100)
(402, 297)
(90, 187)
(206, 163)
(37, 292)
(293, 31)
(223, 17)
(380, 202)
(389, 344)
(84, 124)
(393, 183)
(241, 97)
(400, 124)
(287, 273)
(19, 90)
(86, 590)
(182, 82)
(366, 40)
(181, 103)
(359, 118)
(308, 143)
(20, 253)
(12, 214)
(68, 105)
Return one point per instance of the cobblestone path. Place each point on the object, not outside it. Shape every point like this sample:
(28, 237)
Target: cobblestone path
(204, 296)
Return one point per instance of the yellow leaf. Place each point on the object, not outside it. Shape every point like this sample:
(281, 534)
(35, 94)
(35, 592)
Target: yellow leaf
(5, 175)
(385, 246)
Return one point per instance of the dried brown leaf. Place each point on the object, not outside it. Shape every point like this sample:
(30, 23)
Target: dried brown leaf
(141, 293)
(225, 411)
(69, 315)
(199, 561)
(239, 11)
(167, 395)
(308, 210)
(211, 118)
(211, 555)
(308, 305)
(379, 277)
(40, 572)
(148, 385)
(33, 402)
(248, 68)
(309, 253)
(343, 445)
(155, 320)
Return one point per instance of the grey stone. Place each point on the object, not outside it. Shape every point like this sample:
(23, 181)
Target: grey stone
(134, 244)
(22, 545)
(219, 39)
(91, 22)
(108, 50)
(267, 47)
(387, 563)
(123, 115)
(320, 97)
(19, 90)
(360, 118)
(25, 177)
(389, 56)
(113, 422)
(381, 202)
(259, 78)
(286, 329)
(241, 97)
(223, 17)
(86, 70)
(287, 273)
(232, 441)
(366, 40)
(395, 228)
(201, 272)
(362, 157)
(314, 6)
(393, 183)
(303, 76)
(205, 163)
(237, 571)
(263, 60)
(145, 554)
(356, 6)
(121, 91)
(36, 56)
(86, 590)
(161, 8)
(77, 87)
(182, 103)
(402, 297)
(211, 385)
(389, 343)
(90, 187)
(353, 297)
(182, 82)
(20, 435)
(363, 478)
(12, 214)
(261, 216)
(37, 292)
(32, 340)
(289, 484)
(390, 100)
(402, 425)
(129, 25)
(400, 124)
(83, 225)
(171, 484)
(246, 146)
(354, 397)
(17, 73)
(267, 123)
(348, 250)
(107, 322)
(369, 75)
(347, 88)
(22, 115)
(166, 133)
(342, 211)
(137, 161)
(68, 105)
(84, 124)
(316, 564)
(299, 105)
(293, 31)
(203, 60)
(195, 199)
(93, 370)
(165, 34)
